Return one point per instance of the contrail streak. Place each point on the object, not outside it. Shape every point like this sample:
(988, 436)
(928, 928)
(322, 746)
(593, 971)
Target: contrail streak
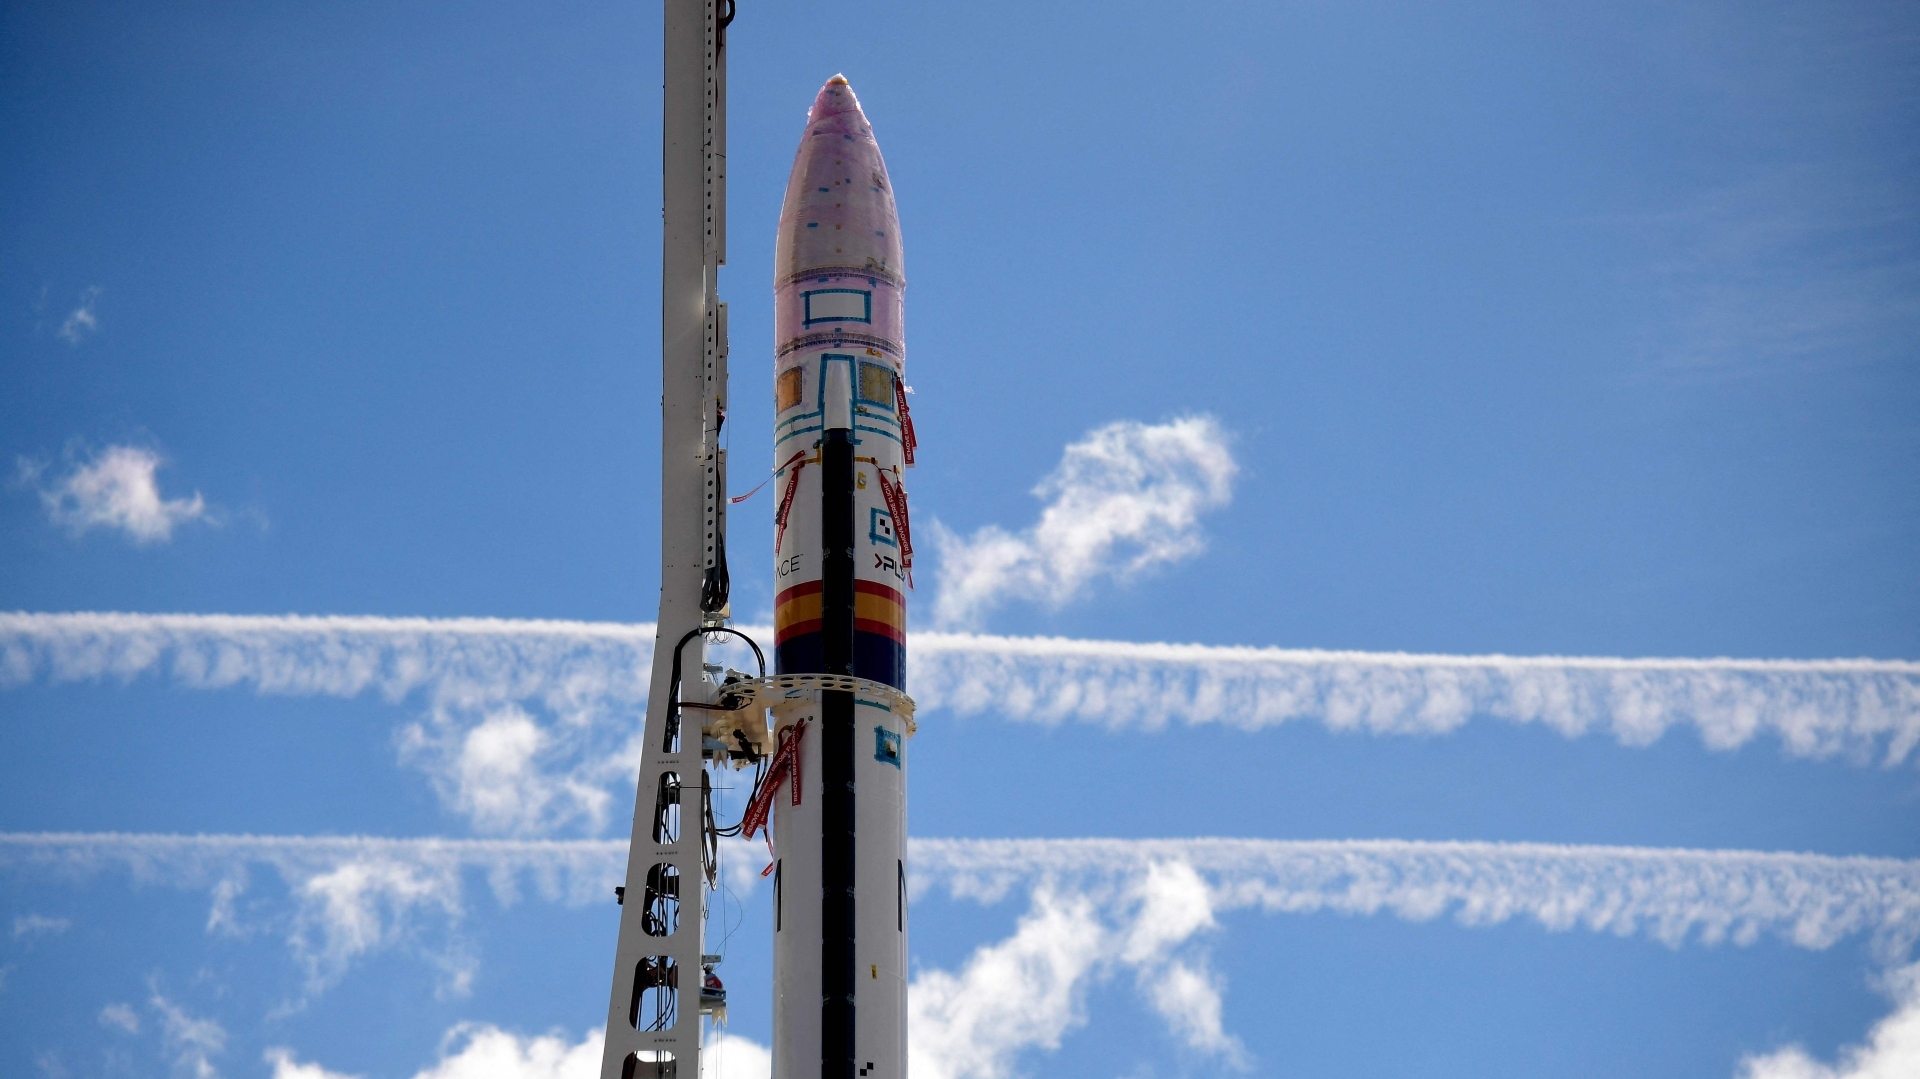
(1096, 908)
(583, 671)
(349, 896)
(1671, 895)
(529, 727)
(571, 871)
(453, 659)
(1817, 708)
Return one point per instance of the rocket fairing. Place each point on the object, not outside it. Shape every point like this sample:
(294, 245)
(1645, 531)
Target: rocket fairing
(843, 560)
(839, 357)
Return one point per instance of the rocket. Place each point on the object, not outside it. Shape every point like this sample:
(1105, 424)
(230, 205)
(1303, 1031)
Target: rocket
(842, 572)
(826, 732)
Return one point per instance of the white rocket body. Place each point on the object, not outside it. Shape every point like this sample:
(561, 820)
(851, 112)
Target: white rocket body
(880, 951)
(842, 564)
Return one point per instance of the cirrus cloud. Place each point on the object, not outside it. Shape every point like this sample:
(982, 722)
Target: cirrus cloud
(1099, 910)
(83, 322)
(532, 727)
(117, 489)
(1891, 1051)
(1126, 498)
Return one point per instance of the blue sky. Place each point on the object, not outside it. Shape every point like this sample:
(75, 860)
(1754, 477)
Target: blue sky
(1569, 330)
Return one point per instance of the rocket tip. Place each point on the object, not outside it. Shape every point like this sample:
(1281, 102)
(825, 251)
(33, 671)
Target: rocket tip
(836, 100)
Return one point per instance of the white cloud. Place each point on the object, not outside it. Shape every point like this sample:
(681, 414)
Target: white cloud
(494, 765)
(82, 322)
(342, 899)
(499, 773)
(1028, 991)
(371, 903)
(484, 1051)
(1124, 499)
(1188, 998)
(120, 1017)
(1785, 268)
(1100, 908)
(115, 488)
(530, 726)
(731, 1056)
(191, 1042)
(487, 1052)
(28, 926)
(586, 682)
(1102, 905)
(1892, 1049)
(1671, 895)
(1023, 992)
(1817, 708)
(347, 889)
(286, 1067)
(516, 708)
(1174, 905)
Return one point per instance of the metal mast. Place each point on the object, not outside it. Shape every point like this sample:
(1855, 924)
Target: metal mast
(654, 1013)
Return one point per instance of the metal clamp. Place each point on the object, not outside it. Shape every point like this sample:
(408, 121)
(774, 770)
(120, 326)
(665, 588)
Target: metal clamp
(772, 689)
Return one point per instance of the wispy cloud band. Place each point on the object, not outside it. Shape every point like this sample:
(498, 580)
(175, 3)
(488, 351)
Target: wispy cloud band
(453, 660)
(529, 725)
(580, 675)
(558, 870)
(1671, 895)
(1818, 708)
(1096, 908)
(346, 896)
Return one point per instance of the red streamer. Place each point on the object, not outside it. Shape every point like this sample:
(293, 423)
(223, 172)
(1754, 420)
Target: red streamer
(907, 440)
(796, 462)
(896, 499)
(785, 765)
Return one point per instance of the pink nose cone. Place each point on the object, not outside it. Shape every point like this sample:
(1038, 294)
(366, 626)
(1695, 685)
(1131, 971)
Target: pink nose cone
(839, 210)
(836, 101)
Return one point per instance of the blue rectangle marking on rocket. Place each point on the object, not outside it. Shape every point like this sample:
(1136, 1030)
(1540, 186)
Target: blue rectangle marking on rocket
(836, 305)
(886, 746)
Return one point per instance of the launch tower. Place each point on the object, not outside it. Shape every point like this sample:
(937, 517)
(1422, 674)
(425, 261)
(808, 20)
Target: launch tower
(825, 735)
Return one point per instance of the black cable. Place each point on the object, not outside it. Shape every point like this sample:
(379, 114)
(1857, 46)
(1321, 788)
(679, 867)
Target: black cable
(717, 585)
(709, 834)
(709, 831)
(673, 691)
(759, 779)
